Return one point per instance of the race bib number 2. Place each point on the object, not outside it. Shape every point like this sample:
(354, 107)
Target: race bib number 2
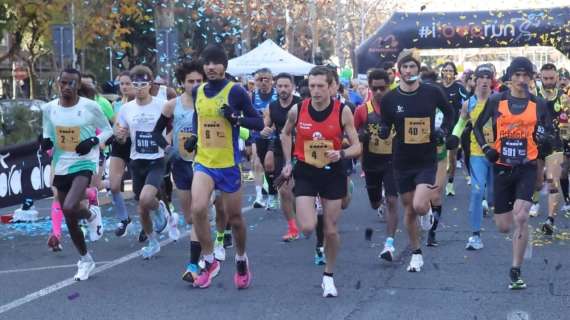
(67, 138)
(315, 152)
(417, 130)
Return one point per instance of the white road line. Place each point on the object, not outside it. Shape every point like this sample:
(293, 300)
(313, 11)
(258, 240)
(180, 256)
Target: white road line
(68, 282)
(45, 268)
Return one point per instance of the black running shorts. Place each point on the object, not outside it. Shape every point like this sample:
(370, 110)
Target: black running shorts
(513, 183)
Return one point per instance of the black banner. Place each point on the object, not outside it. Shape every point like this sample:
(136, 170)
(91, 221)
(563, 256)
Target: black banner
(24, 173)
(474, 29)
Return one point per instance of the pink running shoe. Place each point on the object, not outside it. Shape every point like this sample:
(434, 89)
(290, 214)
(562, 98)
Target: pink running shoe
(206, 275)
(242, 277)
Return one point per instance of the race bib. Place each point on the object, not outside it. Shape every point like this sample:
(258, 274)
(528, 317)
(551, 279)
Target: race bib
(67, 138)
(185, 155)
(214, 133)
(513, 151)
(488, 133)
(564, 130)
(379, 146)
(315, 152)
(417, 130)
(144, 143)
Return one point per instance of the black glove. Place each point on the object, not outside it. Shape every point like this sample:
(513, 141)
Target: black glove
(85, 146)
(451, 142)
(190, 143)
(230, 114)
(363, 136)
(491, 154)
(383, 132)
(440, 136)
(45, 144)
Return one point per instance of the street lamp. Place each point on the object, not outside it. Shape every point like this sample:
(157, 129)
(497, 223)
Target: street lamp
(110, 62)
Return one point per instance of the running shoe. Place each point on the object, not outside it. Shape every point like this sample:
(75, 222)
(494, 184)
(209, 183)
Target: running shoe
(329, 289)
(204, 278)
(258, 203)
(485, 205)
(142, 236)
(290, 236)
(320, 258)
(416, 263)
(228, 243)
(173, 232)
(219, 251)
(474, 243)
(548, 227)
(84, 267)
(468, 179)
(54, 244)
(151, 249)
(158, 217)
(242, 277)
(191, 273)
(380, 212)
(534, 210)
(272, 203)
(122, 226)
(449, 189)
(431, 241)
(517, 283)
(426, 221)
(96, 224)
(388, 252)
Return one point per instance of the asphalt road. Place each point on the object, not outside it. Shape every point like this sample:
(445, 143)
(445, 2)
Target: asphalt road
(454, 283)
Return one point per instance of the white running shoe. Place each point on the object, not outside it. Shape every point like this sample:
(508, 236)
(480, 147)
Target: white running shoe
(329, 289)
(219, 251)
(95, 224)
(151, 249)
(426, 221)
(159, 217)
(173, 232)
(474, 243)
(83, 269)
(416, 263)
(485, 205)
(388, 252)
(534, 210)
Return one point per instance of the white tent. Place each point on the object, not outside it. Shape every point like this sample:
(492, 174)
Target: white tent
(268, 55)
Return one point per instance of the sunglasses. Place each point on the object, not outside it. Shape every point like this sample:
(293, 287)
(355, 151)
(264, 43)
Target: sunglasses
(141, 84)
(378, 88)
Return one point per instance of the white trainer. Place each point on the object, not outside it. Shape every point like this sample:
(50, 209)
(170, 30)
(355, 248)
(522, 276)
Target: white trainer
(426, 221)
(416, 263)
(173, 232)
(83, 269)
(329, 289)
(219, 251)
(95, 223)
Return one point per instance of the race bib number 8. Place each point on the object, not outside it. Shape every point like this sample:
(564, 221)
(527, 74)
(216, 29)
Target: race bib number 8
(315, 152)
(67, 138)
(214, 133)
(182, 136)
(144, 143)
(417, 130)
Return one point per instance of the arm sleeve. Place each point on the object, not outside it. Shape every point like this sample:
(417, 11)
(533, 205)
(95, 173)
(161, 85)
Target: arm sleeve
(100, 122)
(485, 115)
(48, 131)
(159, 129)
(447, 110)
(239, 100)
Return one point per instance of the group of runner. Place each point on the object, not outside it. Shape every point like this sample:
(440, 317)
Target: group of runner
(406, 135)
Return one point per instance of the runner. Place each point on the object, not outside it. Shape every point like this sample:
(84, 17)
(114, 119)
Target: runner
(261, 97)
(482, 169)
(319, 123)
(455, 94)
(411, 109)
(69, 124)
(520, 124)
(274, 120)
(219, 105)
(137, 120)
(553, 156)
(377, 157)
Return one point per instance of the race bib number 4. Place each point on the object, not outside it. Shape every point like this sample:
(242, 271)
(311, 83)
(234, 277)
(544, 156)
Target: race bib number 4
(144, 143)
(513, 151)
(417, 130)
(182, 136)
(214, 133)
(67, 138)
(379, 146)
(315, 152)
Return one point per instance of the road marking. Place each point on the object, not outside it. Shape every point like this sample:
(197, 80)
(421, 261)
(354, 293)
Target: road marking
(45, 268)
(68, 282)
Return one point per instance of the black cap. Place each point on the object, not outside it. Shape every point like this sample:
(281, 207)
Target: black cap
(484, 69)
(521, 64)
(216, 54)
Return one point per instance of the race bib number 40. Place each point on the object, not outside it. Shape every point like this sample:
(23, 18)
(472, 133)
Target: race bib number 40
(144, 143)
(315, 152)
(214, 133)
(67, 138)
(417, 130)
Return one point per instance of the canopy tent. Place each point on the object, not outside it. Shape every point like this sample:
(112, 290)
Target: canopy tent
(268, 55)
